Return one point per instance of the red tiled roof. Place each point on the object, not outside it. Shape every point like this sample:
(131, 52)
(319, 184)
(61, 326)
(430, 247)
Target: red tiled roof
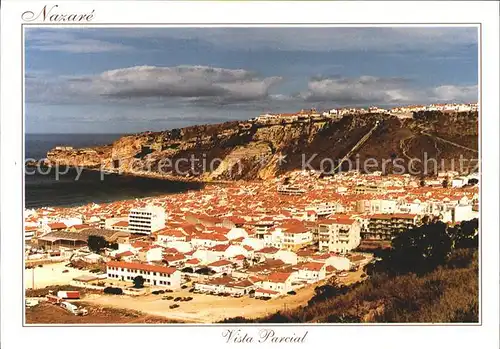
(268, 250)
(278, 277)
(219, 248)
(121, 224)
(140, 266)
(193, 261)
(80, 226)
(125, 254)
(220, 263)
(57, 226)
(312, 266)
(261, 290)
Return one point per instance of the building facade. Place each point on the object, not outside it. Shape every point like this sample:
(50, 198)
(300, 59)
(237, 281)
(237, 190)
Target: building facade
(387, 226)
(153, 275)
(339, 235)
(146, 220)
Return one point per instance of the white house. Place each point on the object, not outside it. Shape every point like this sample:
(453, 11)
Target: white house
(150, 254)
(206, 256)
(338, 262)
(260, 292)
(266, 253)
(289, 257)
(153, 275)
(235, 250)
(278, 282)
(164, 236)
(311, 272)
(256, 244)
(236, 233)
(221, 266)
(181, 246)
(208, 240)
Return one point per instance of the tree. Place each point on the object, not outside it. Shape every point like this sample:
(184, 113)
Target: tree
(96, 243)
(473, 181)
(138, 281)
(422, 182)
(418, 250)
(445, 183)
(246, 264)
(465, 235)
(113, 290)
(203, 271)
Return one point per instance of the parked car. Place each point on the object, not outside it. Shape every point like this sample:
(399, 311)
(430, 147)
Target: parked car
(343, 275)
(65, 271)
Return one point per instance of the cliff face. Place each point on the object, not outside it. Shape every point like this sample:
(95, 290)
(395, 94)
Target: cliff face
(237, 150)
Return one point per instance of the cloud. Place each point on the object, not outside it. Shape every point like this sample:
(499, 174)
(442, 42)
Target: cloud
(185, 83)
(382, 90)
(70, 42)
(455, 93)
(382, 39)
(361, 90)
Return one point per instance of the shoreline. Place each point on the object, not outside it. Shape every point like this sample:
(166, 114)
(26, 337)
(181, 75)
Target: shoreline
(135, 174)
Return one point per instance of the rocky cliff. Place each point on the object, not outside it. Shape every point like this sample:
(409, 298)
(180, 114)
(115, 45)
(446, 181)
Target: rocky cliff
(240, 150)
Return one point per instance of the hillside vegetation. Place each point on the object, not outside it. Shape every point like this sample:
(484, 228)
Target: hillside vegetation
(429, 275)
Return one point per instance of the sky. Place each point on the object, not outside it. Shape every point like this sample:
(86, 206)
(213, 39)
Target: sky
(128, 80)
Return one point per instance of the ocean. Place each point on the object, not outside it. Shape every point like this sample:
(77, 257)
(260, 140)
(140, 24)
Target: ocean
(45, 190)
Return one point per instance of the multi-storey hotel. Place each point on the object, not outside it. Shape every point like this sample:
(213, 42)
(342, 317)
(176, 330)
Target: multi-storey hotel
(339, 235)
(387, 226)
(146, 220)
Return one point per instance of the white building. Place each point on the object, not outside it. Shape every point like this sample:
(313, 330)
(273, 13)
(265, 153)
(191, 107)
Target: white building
(339, 235)
(325, 208)
(311, 272)
(289, 257)
(153, 274)
(146, 220)
(150, 254)
(278, 282)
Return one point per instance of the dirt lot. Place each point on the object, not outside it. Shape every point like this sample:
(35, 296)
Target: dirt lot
(46, 313)
(51, 274)
(153, 309)
(208, 308)
(203, 308)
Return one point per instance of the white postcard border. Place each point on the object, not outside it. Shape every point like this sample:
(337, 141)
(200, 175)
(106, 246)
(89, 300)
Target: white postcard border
(126, 13)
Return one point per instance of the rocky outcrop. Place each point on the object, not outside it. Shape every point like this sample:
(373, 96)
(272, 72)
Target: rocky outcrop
(236, 150)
